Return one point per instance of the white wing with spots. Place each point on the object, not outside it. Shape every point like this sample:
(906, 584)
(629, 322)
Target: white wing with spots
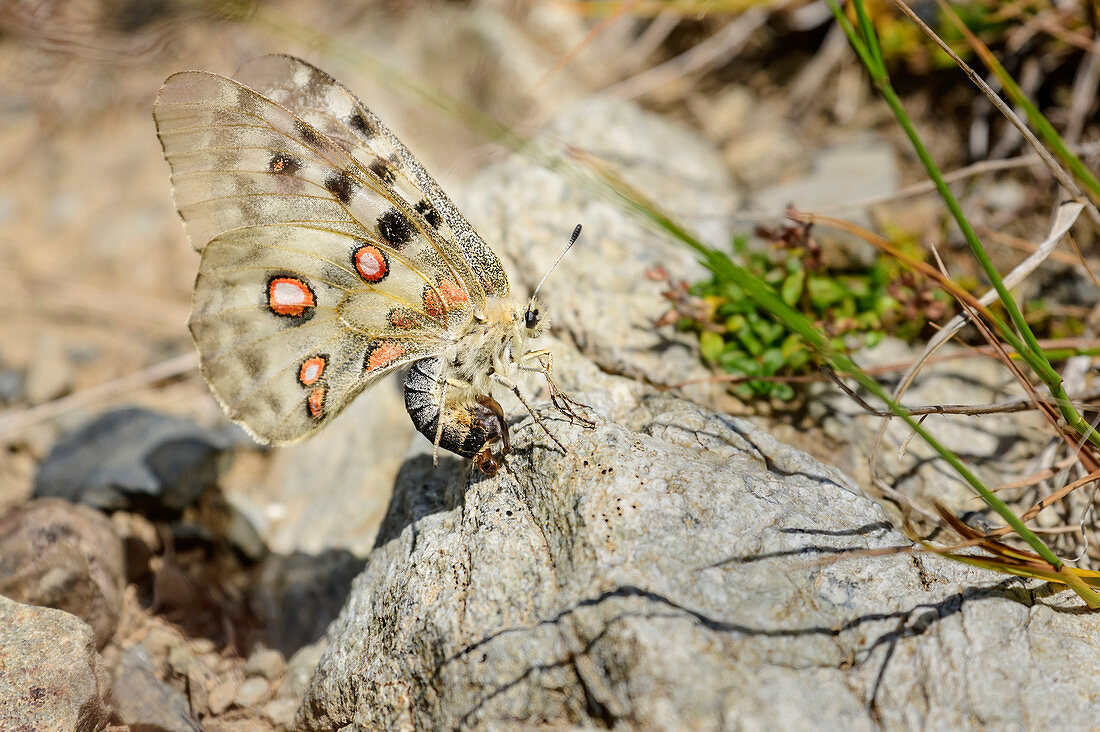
(318, 276)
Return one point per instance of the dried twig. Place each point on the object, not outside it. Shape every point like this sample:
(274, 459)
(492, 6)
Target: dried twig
(714, 51)
(20, 418)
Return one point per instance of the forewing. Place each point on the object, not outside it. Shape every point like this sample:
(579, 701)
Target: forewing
(330, 107)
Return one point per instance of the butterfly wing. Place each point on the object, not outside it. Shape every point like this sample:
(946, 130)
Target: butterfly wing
(330, 107)
(317, 278)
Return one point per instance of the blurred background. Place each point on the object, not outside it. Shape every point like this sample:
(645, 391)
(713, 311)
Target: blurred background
(97, 270)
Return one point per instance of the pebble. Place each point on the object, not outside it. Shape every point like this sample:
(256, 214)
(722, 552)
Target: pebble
(265, 662)
(220, 697)
(251, 692)
(300, 668)
(55, 554)
(143, 701)
(133, 459)
(281, 712)
(51, 677)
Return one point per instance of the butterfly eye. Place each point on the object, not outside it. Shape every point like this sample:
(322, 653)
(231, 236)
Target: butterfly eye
(531, 318)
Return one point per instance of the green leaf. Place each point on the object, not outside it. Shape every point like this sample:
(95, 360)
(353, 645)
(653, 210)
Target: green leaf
(791, 291)
(749, 340)
(711, 345)
(734, 323)
(824, 292)
(783, 392)
(772, 360)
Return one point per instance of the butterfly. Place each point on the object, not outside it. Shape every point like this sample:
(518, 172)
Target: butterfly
(331, 258)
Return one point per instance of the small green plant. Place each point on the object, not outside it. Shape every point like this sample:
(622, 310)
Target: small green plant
(855, 308)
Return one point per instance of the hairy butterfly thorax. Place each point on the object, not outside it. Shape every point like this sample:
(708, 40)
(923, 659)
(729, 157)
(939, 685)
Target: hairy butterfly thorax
(331, 258)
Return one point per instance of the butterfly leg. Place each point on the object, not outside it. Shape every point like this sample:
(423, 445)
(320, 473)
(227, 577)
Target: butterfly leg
(511, 386)
(561, 401)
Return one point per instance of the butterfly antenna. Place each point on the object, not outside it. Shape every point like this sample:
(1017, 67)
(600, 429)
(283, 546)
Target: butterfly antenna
(572, 241)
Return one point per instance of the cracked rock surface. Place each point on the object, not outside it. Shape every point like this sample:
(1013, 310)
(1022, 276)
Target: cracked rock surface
(678, 568)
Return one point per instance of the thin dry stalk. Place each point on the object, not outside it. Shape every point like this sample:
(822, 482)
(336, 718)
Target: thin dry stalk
(21, 418)
(714, 51)
(1052, 164)
(1064, 219)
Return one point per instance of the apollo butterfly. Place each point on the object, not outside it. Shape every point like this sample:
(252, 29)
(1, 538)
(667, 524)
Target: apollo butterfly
(330, 258)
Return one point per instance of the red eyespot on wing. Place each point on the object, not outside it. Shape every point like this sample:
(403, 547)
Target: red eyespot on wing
(316, 402)
(311, 370)
(289, 296)
(452, 296)
(371, 262)
(382, 354)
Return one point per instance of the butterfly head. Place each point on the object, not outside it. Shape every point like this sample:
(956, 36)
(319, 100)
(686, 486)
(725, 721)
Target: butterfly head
(535, 319)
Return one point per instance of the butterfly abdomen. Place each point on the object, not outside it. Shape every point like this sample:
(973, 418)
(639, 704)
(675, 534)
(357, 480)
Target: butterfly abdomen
(468, 429)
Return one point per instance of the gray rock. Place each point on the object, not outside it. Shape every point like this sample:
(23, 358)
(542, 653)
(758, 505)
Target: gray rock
(60, 555)
(143, 701)
(12, 384)
(841, 174)
(133, 459)
(266, 662)
(51, 677)
(252, 692)
(300, 668)
(355, 458)
(681, 570)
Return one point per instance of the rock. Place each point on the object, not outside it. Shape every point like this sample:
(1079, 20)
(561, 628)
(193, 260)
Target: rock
(299, 595)
(59, 555)
(681, 569)
(283, 504)
(237, 724)
(133, 459)
(758, 144)
(765, 154)
(265, 662)
(12, 385)
(723, 116)
(252, 692)
(281, 712)
(51, 677)
(221, 696)
(299, 670)
(143, 701)
(844, 173)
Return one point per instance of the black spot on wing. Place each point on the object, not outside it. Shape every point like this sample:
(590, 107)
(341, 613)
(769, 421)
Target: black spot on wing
(309, 136)
(341, 185)
(253, 363)
(283, 163)
(360, 124)
(395, 228)
(383, 170)
(429, 213)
